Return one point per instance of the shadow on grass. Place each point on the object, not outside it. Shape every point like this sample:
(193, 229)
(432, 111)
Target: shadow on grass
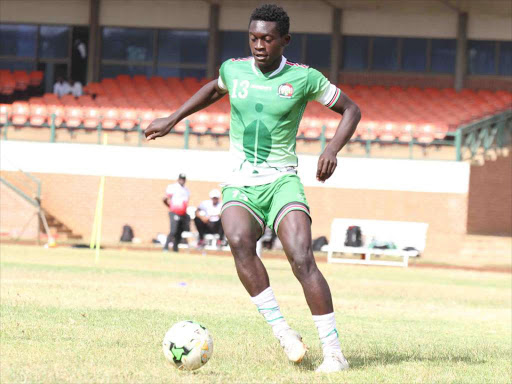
(390, 358)
(313, 360)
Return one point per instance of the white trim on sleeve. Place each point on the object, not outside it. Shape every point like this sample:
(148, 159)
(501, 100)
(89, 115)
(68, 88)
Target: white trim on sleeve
(327, 95)
(221, 85)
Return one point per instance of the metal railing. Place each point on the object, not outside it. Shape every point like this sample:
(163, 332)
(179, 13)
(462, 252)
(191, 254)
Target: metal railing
(491, 134)
(485, 135)
(28, 187)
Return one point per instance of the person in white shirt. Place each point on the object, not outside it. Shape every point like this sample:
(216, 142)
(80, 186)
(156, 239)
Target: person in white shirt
(207, 218)
(76, 89)
(176, 199)
(61, 87)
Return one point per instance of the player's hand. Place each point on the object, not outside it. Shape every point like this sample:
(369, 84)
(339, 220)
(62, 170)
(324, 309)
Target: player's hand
(159, 127)
(326, 165)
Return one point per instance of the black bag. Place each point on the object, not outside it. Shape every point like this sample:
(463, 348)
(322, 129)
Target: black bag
(353, 237)
(127, 235)
(319, 243)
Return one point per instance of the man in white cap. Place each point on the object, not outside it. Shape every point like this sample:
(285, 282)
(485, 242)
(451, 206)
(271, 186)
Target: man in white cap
(207, 218)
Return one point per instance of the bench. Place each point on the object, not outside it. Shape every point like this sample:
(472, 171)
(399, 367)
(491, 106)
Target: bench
(402, 234)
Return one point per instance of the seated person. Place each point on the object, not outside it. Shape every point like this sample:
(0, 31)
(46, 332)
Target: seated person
(207, 218)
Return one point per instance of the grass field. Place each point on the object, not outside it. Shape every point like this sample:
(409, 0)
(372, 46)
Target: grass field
(66, 319)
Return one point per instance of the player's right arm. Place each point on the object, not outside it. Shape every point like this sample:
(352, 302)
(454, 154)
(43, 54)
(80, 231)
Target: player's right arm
(206, 96)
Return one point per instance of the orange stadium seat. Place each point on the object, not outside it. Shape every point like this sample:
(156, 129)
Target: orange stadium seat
(58, 111)
(5, 113)
(7, 83)
(91, 117)
(219, 123)
(128, 118)
(200, 122)
(146, 117)
(20, 112)
(73, 116)
(38, 113)
(36, 78)
(110, 118)
(22, 80)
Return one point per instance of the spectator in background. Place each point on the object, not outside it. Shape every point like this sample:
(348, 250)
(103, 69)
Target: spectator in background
(61, 87)
(207, 218)
(176, 199)
(76, 88)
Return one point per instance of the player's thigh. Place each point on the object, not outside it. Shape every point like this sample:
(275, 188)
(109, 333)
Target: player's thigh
(288, 196)
(241, 229)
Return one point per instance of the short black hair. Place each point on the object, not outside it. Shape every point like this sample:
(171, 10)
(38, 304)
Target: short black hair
(272, 12)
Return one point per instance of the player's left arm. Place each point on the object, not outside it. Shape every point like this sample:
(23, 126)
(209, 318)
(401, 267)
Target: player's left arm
(351, 115)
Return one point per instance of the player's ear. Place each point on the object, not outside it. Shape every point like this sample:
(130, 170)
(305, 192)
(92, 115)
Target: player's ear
(285, 40)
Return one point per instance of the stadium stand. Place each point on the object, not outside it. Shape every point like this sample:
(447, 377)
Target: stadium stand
(16, 85)
(127, 103)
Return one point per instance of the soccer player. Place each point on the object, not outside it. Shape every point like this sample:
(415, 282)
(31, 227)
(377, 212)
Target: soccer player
(268, 95)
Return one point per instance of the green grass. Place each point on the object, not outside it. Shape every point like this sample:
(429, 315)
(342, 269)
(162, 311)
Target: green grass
(66, 319)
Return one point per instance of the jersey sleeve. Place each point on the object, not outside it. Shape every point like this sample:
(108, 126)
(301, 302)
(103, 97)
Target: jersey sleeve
(320, 89)
(221, 82)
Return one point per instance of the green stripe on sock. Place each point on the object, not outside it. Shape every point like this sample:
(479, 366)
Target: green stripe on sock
(277, 318)
(330, 333)
(268, 309)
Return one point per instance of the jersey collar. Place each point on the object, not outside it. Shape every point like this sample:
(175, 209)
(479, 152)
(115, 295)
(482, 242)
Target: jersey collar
(279, 69)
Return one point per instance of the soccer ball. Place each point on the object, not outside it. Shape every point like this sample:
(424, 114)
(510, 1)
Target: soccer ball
(187, 345)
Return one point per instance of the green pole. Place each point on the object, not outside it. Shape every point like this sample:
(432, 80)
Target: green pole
(139, 130)
(368, 147)
(52, 129)
(7, 124)
(99, 133)
(322, 138)
(458, 144)
(186, 134)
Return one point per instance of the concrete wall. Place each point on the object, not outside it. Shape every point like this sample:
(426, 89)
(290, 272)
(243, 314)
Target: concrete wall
(138, 202)
(420, 18)
(405, 190)
(73, 12)
(17, 217)
(490, 198)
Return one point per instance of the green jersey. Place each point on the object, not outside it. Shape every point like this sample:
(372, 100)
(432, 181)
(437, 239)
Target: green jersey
(266, 109)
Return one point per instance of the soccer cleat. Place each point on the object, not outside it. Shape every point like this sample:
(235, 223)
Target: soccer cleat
(333, 362)
(293, 346)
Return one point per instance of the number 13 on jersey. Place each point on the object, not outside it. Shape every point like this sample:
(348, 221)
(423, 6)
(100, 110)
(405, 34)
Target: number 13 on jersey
(243, 89)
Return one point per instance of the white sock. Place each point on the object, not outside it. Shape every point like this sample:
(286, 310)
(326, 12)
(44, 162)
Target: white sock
(268, 307)
(326, 325)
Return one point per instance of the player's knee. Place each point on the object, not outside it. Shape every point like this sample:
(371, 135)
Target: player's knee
(239, 243)
(303, 266)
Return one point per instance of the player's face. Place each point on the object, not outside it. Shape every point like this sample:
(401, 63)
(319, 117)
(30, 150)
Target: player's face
(266, 44)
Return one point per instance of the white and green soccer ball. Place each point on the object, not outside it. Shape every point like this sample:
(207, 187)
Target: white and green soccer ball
(187, 345)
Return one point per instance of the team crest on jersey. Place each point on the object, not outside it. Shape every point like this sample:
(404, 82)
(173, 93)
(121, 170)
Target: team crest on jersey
(285, 90)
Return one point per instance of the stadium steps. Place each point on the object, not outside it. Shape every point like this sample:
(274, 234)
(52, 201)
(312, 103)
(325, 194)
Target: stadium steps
(57, 226)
